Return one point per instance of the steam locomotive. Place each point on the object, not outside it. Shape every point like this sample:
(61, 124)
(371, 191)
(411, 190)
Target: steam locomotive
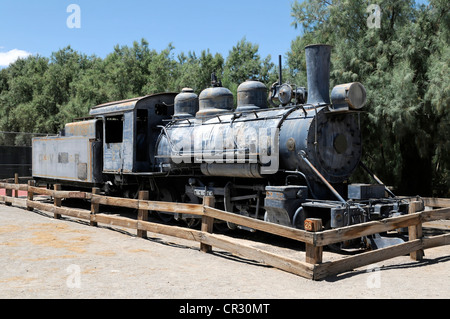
(283, 164)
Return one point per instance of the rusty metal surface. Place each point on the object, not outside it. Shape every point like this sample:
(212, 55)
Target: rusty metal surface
(215, 100)
(65, 158)
(318, 73)
(186, 103)
(348, 96)
(83, 128)
(251, 95)
(127, 105)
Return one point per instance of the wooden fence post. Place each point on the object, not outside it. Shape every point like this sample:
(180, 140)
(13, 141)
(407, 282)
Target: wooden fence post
(8, 193)
(16, 181)
(95, 208)
(56, 201)
(30, 194)
(313, 252)
(415, 231)
(142, 214)
(207, 223)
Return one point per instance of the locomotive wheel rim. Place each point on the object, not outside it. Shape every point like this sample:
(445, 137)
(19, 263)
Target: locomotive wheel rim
(190, 221)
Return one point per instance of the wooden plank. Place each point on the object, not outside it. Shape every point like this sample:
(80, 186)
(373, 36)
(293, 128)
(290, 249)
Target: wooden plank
(16, 181)
(313, 252)
(8, 197)
(20, 202)
(415, 231)
(30, 194)
(72, 212)
(115, 201)
(115, 221)
(348, 263)
(436, 202)
(41, 191)
(257, 224)
(44, 191)
(436, 214)
(66, 194)
(95, 208)
(181, 208)
(13, 186)
(359, 230)
(168, 230)
(142, 214)
(443, 225)
(207, 223)
(10, 186)
(174, 231)
(435, 241)
(57, 201)
(286, 264)
(6, 200)
(10, 200)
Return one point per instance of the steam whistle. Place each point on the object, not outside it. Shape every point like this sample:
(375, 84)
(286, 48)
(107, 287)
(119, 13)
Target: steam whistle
(284, 94)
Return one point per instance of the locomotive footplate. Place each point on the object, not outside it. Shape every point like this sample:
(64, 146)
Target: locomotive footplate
(355, 212)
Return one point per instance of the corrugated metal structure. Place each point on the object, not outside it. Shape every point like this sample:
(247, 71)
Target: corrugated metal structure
(15, 159)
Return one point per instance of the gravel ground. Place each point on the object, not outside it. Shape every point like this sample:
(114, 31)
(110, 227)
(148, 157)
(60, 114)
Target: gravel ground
(41, 257)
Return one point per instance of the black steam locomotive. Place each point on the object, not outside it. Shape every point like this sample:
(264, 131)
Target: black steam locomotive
(283, 163)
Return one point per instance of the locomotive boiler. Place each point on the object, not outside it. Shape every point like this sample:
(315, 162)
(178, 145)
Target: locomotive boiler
(282, 155)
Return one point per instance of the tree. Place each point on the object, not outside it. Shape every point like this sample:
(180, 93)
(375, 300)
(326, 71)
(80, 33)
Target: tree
(162, 72)
(195, 72)
(399, 65)
(244, 63)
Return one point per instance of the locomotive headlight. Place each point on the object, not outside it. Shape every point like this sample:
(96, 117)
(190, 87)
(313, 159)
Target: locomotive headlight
(351, 95)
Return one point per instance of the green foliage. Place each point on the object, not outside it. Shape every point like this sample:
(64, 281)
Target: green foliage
(404, 67)
(40, 94)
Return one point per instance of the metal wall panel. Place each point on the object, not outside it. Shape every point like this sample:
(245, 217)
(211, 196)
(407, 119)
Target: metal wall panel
(64, 158)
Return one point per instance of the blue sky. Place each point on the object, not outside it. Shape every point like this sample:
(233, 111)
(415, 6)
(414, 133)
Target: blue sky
(40, 27)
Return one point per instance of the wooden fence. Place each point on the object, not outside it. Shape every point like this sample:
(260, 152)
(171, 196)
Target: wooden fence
(313, 267)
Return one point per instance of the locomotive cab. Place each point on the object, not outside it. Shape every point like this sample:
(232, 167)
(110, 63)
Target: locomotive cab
(130, 130)
(118, 139)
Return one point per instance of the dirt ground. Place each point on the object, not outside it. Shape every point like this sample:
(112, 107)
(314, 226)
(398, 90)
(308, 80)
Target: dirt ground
(41, 257)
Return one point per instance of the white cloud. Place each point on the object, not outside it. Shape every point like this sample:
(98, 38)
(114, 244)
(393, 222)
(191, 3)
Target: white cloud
(6, 58)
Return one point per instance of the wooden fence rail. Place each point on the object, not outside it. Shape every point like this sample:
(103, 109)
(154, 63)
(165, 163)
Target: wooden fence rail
(314, 237)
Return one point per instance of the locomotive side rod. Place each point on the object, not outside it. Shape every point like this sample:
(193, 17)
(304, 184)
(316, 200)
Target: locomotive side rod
(376, 178)
(331, 188)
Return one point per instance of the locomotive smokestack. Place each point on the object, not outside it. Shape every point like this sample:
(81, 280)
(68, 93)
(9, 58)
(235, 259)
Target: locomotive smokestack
(318, 73)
